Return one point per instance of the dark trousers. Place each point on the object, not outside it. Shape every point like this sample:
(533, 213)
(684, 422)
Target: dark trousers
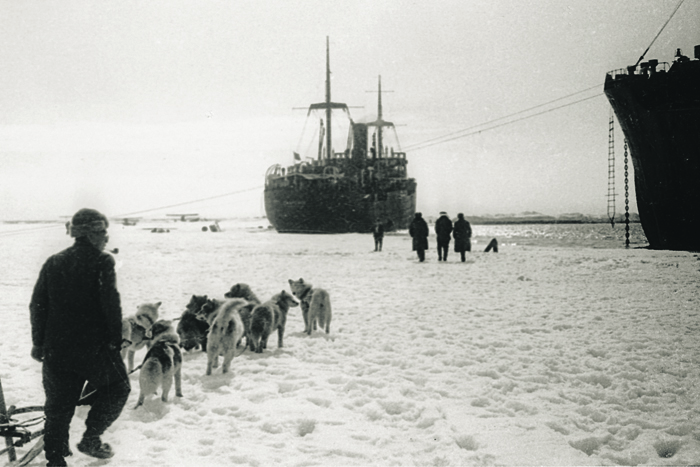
(63, 385)
(443, 248)
(378, 243)
(421, 254)
(467, 245)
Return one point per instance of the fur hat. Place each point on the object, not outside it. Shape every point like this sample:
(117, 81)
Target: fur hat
(443, 213)
(460, 216)
(86, 221)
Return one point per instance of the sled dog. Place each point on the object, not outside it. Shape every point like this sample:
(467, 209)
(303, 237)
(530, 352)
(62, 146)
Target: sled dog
(191, 330)
(244, 291)
(315, 305)
(225, 332)
(134, 329)
(207, 312)
(162, 364)
(269, 316)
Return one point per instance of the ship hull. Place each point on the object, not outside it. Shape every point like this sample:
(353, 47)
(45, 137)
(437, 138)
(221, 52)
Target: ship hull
(660, 117)
(336, 207)
(343, 191)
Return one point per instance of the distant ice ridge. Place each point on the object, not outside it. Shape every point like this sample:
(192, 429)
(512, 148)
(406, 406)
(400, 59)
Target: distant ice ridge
(539, 218)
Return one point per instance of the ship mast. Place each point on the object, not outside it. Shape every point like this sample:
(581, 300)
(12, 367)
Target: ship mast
(328, 106)
(379, 122)
(328, 102)
(380, 147)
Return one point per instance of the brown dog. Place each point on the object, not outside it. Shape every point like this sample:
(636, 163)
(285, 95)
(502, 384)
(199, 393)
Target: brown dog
(244, 291)
(191, 330)
(207, 312)
(269, 316)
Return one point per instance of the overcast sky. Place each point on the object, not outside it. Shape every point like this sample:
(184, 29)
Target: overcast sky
(133, 106)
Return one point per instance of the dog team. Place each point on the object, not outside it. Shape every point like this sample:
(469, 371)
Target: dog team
(218, 327)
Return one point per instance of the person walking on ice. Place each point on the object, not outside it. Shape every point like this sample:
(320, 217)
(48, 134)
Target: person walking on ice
(462, 234)
(418, 230)
(443, 230)
(378, 234)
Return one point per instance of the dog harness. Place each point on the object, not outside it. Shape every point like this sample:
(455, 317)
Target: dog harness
(302, 297)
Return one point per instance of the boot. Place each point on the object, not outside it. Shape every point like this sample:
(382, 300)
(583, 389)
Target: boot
(95, 448)
(59, 460)
(56, 462)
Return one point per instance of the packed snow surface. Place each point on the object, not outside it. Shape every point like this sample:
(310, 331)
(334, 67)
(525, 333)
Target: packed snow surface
(552, 351)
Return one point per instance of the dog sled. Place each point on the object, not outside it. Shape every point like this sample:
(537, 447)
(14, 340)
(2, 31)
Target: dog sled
(17, 431)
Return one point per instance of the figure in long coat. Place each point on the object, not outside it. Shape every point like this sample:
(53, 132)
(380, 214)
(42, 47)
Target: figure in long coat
(443, 229)
(419, 232)
(462, 234)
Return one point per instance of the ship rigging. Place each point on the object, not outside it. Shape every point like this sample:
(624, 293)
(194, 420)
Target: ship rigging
(342, 191)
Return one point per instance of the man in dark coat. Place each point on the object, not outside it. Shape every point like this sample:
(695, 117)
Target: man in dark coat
(76, 320)
(378, 233)
(419, 232)
(462, 234)
(443, 230)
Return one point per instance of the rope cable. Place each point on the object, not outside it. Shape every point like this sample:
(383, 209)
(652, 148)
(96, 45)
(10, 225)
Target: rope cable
(413, 146)
(9, 233)
(54, 225)
(312, 142)
(418, 147)
(641, 57)
(189, 202)
(303, 130)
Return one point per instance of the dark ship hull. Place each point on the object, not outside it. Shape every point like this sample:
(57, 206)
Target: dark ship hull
(303, 204)
(659, 112)
(341, 192)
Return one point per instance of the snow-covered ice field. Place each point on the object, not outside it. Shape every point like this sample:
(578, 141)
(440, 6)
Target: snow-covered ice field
(550, 352)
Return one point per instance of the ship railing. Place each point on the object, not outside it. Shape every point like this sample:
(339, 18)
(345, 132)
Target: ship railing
(644, 69)
(275, 171)
(300, 167)
(391, 162)
(331, 171)
(619, 72)
(389, 153)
